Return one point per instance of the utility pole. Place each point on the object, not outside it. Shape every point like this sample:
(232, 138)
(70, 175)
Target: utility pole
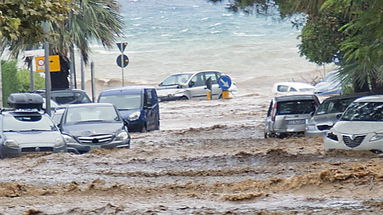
(82, 73)
(92, 80)
(47, 70)
(1, 82)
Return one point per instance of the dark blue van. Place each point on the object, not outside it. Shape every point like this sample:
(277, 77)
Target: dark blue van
(137, 105)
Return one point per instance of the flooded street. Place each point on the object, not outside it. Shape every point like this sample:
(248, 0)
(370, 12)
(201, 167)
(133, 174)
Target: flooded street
(209, 157)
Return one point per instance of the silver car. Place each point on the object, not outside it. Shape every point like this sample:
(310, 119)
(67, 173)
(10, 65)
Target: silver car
(288, 114)
(27, 129)
(93, 125)
(327, 114)
(183, 86)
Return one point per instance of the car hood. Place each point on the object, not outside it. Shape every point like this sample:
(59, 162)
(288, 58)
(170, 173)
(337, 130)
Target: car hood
(40, 137)
(355, 127)
(89, 129)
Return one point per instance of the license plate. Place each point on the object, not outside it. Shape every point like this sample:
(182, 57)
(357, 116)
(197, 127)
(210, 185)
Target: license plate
(296, 122)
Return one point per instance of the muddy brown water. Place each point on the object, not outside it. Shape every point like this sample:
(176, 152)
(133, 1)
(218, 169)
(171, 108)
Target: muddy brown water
(208, 158)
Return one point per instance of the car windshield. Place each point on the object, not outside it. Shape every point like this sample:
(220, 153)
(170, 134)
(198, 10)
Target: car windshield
(296, 107)
(70, 97)
(123, 102)
(176, 79)
(364, 111)
(91, 114)
(20, 123)
(334, 106)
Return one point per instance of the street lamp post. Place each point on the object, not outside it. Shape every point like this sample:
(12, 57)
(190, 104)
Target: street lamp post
(47, 70)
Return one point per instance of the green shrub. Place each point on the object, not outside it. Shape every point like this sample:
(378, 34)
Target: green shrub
(17, 80)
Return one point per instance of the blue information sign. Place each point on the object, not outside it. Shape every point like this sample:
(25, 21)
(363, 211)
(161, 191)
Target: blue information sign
(224, 82)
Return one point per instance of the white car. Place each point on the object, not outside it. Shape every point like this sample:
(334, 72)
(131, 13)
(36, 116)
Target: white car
(360, 127)
(329, 85)
(184, 86)
(285, 88)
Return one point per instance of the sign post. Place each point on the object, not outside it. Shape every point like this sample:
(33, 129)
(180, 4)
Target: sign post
(122, 60)
(224, 83)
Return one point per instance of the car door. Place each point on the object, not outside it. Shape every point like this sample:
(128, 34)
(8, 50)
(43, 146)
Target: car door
(197, 86)
(214, 76)
(151, 109)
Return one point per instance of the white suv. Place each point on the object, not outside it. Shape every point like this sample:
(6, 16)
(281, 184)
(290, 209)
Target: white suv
(360, 127)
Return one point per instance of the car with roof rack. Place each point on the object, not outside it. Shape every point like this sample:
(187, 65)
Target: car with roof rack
(25, 128)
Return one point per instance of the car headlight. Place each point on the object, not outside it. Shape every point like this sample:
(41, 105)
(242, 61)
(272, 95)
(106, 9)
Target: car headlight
(134, 116)
(68, 139)
(11, 144)
(123, 135)
(60, 142)
(376, 137)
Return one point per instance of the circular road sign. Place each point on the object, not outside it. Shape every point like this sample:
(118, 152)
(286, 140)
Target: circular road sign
(122, 60)
(224, 82)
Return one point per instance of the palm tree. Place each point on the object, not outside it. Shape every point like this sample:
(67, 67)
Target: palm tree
(90, 21)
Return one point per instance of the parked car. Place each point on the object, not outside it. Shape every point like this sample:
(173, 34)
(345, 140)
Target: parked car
(27, 129)
(67, 96)
(137, 105)
(93, 125)
(329, 85)
(326, 115)
(360, 127)
(293, 88)
(288, 114)
(183, 86)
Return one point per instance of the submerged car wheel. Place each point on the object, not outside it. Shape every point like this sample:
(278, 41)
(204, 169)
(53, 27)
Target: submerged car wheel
(184, 98)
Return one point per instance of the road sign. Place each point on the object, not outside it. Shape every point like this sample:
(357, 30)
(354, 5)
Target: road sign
(54, 64)
(224, 82)
(122, 61)
(122, 46)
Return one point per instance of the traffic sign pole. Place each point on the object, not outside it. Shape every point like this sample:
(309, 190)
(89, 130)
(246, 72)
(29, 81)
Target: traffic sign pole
(122, 70)
(123, 62)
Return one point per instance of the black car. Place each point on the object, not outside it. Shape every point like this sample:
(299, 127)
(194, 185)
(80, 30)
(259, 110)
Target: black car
(67, 96)
(93, 125)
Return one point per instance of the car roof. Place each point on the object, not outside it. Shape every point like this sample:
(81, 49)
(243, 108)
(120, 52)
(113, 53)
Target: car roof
(61, 90)
(90, 105)
(131, 89)
(298, 85)
(192, 73)
(295, 97)
(374, 98)
(348, 96)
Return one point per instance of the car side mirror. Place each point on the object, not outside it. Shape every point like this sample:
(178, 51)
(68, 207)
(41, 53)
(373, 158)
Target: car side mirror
(338, 116)
(312, 113)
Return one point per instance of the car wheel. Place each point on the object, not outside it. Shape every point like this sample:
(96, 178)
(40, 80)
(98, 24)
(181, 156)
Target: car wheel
(184, 98)
(266, 135)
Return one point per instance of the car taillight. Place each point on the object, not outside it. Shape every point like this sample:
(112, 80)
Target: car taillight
(274, 112)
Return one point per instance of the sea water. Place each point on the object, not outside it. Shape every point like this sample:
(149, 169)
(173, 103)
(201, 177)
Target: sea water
(170, 36)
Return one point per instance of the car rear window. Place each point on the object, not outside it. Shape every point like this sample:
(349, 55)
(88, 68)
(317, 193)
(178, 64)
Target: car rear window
(296, 107)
